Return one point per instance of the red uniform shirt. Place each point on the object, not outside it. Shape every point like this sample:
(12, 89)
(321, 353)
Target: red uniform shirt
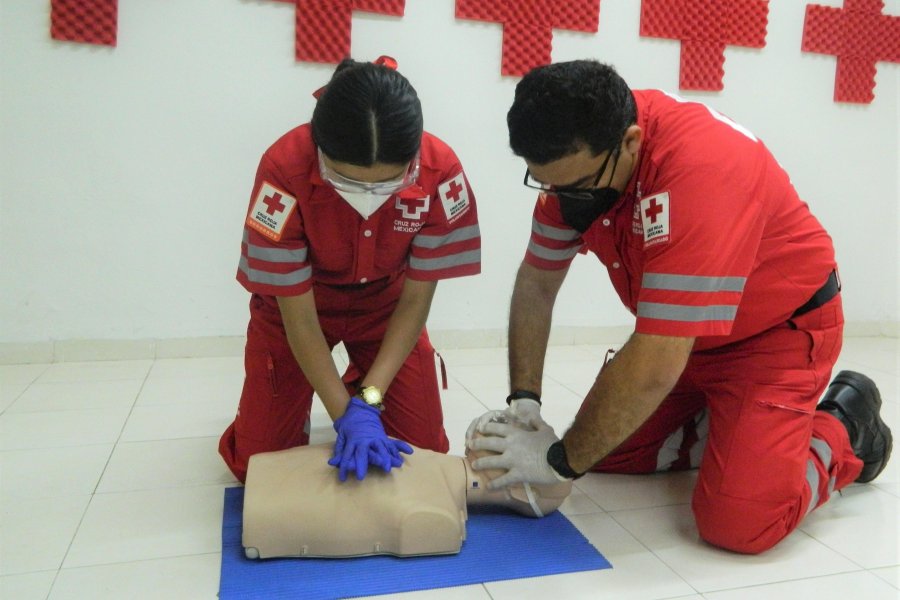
(299, 230)
(710, 239)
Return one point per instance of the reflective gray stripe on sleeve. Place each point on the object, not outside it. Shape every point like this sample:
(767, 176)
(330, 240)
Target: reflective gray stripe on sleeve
(436, 241)
(275, 255)
(548, 254)
(279, 279)
(689, 314)
(553, 233)
(445, 262)
(692, 283)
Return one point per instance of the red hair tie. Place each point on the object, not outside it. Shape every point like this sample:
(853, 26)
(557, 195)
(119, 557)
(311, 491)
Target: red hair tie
(386, 61)
(382, 61)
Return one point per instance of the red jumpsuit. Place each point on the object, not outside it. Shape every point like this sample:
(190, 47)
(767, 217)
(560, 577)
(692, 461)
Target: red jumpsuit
(711, 241)
(301, 235)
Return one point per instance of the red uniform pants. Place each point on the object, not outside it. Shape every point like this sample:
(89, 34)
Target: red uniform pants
(275, 404)
(770, 458)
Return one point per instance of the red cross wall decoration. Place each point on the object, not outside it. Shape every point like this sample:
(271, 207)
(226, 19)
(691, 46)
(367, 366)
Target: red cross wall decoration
(528, 26)
(323, 26)
(860, 35)
(705, 27)
(85, 21)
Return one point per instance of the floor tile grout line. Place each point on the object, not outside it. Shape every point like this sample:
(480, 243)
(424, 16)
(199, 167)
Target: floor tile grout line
(25, 389)
(655, 555)
(767, 583)
(137, 561)
(99, 479)
(122, 430)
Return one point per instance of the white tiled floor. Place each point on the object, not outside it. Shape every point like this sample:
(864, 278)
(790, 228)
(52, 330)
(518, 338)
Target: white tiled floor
(111, 487)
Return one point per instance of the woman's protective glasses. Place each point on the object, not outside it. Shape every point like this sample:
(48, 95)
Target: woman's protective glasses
(345, 184)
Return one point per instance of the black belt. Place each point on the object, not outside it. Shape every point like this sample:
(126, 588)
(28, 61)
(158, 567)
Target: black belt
(354, 286)
(828, 291)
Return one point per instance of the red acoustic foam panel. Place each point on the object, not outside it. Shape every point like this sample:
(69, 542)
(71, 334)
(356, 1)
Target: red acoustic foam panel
(323, 26)
(84, 21)
(528, 26)
(705, 28)
(860, 35)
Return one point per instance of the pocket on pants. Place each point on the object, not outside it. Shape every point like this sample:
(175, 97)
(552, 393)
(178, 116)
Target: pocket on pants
(769, 442)
(259, 393)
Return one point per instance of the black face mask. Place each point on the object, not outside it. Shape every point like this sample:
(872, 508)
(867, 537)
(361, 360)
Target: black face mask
(581, 207)
(579, 213)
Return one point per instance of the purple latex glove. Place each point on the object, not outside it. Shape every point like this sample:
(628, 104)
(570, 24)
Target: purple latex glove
(361, 441)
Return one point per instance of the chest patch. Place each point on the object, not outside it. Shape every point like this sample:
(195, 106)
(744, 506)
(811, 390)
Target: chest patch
(455, 197)
(413, 208)
(655, 219)
(270, 211)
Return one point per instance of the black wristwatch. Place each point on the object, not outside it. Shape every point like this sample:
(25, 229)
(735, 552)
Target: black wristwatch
(557, 459)
(523, 394)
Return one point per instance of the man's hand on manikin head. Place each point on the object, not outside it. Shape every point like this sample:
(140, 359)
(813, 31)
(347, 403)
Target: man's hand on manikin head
(519, 448)
(520, 411)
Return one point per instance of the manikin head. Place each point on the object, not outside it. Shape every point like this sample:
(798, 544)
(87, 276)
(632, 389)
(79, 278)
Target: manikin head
(526, 499)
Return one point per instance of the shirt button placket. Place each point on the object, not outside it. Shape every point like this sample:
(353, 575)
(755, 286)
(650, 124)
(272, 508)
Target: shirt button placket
(365, 269)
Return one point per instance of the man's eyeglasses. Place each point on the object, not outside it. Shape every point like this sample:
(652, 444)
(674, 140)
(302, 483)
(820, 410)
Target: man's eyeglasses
(573, 193)
(345, 184)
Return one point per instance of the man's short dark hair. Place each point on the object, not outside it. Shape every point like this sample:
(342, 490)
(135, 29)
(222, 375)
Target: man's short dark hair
(562, 107)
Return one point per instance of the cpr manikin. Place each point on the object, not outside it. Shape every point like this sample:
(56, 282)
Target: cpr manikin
(294, 504)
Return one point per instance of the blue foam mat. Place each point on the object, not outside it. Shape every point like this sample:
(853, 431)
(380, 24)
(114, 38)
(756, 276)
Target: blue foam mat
(499, 545)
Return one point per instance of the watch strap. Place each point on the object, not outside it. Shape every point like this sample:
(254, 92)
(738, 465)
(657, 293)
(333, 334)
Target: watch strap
(559, 462)
(523, 394)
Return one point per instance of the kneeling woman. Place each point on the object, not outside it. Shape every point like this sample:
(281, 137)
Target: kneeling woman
(353, 219)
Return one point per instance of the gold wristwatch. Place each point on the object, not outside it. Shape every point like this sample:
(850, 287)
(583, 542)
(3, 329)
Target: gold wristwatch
(372, 396)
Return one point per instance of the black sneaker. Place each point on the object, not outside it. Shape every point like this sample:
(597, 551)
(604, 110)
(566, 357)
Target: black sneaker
(854, 400)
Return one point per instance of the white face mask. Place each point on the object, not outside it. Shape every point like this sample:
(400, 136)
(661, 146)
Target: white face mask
(365, 203)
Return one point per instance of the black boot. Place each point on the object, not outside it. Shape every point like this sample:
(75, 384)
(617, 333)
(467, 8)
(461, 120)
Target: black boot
(854, 400)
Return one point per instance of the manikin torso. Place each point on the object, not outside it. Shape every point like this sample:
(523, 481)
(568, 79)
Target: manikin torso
(294, 505)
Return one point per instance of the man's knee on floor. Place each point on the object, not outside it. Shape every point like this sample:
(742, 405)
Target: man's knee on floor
(740, 525)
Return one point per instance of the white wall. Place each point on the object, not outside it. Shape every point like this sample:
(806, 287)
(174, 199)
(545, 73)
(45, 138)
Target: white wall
(125, 172)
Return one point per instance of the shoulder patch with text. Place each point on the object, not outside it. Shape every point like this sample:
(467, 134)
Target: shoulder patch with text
(270, 211)
(655, 219)
(454, 196)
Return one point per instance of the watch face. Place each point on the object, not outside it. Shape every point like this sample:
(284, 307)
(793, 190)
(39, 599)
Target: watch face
(555, 455)
(371, 396)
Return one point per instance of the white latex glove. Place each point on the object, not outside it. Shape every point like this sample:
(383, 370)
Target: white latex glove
(523, 454)
(522, 410)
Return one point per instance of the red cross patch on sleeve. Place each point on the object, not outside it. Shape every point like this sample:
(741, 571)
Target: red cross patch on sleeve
(270, 211)
(454, 196)
(655, 219)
